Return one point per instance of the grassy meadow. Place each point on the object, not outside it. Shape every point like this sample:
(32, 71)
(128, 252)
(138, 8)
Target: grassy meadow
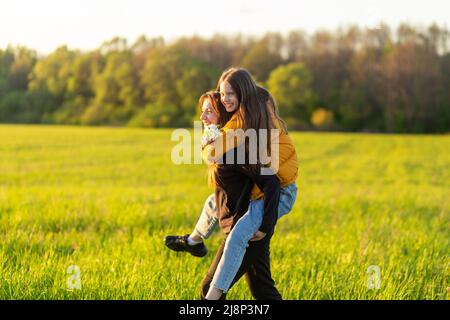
(103, 199)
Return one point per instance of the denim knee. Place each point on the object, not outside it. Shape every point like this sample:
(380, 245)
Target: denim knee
(239, 239)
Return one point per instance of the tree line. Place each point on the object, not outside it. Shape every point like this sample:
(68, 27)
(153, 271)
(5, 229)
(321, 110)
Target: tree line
(350, 79)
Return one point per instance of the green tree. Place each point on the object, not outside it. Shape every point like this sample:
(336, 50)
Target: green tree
(291, 87)
(116, 91)
(413, 87)
(16, 65)
(6, 59)
(361, 106)
(162, 69)
(80, 88)
(49, 81)
(198, 77)
(20, 69)
(262, 58)
(174, 78)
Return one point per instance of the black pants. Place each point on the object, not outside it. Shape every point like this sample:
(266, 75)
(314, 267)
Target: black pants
(255, 266)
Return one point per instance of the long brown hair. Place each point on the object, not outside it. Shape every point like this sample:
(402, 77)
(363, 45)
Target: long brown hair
(252, 112)
(224, 117)
(272, 107)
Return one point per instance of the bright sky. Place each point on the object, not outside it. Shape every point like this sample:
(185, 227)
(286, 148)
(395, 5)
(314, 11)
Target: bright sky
(46, 24)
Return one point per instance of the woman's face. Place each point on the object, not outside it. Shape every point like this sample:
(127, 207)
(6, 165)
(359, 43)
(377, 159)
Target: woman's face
(209, 115)
(228, 97)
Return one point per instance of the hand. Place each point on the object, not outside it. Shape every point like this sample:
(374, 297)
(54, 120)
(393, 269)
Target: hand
(258, 236)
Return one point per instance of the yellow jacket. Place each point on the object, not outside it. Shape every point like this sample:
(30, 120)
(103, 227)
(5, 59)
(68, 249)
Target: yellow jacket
(288, 162)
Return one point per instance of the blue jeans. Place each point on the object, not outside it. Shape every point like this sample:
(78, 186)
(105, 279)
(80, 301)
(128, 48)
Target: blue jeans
(208, 218)
(237, 241)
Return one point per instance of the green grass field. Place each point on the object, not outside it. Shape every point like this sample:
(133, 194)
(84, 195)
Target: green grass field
(103, 199)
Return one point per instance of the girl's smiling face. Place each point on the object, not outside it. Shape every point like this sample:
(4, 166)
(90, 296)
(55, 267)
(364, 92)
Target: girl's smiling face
(228, 97)
(209, 115)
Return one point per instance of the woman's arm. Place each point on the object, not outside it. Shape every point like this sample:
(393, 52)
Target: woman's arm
(270, 186)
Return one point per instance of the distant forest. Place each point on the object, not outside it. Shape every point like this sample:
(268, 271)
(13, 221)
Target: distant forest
(350, 79)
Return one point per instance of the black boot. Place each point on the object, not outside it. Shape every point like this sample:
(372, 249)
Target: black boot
(180, 243)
